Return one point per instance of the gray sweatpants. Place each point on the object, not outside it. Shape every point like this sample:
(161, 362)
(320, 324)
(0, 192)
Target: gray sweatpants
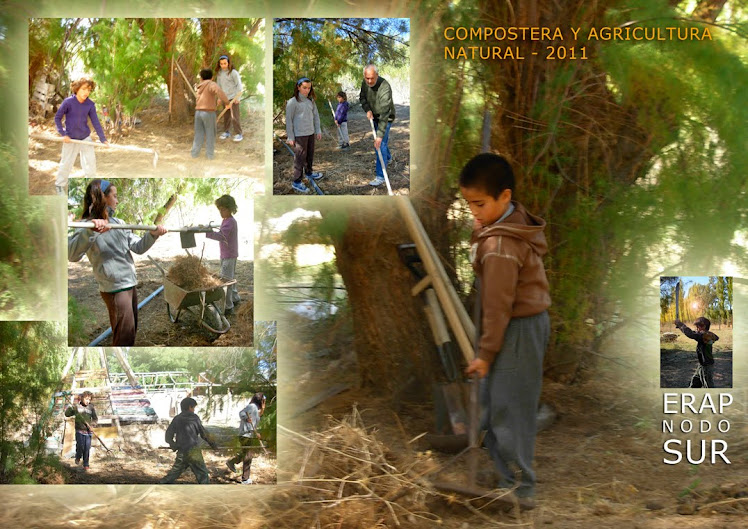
(205, 131)
(509, 401)
(228, 271)
(70, 152)
(343, 133)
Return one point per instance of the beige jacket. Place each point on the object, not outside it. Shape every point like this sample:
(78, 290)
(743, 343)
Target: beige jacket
(207, 92)
(508, 258)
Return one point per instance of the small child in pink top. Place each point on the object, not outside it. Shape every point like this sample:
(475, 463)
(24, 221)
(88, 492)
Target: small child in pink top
(228, 239)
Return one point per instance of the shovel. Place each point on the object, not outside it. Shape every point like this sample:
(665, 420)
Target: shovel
(310, 180)
(186, 233)
(381, 160)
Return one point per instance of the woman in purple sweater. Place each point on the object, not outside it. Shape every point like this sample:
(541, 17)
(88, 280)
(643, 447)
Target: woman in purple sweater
(76, 110)
(228, 238)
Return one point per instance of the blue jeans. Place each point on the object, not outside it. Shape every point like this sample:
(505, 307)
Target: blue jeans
(386, 156)
(82, 446)
(205, 131)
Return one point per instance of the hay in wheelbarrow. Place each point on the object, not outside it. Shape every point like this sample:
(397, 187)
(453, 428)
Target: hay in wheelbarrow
(188, 273)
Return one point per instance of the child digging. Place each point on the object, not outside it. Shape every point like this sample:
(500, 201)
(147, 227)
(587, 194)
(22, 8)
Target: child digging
(228, 239)
(76, 110)
(85, 420)
(183, 437)
(507, 254)
(205, 114)
(703, 377)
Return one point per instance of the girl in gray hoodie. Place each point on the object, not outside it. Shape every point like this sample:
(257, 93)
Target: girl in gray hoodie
(302, 126)
(108, 250)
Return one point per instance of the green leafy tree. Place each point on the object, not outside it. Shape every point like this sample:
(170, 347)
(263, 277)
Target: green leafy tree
(31, 357)
(124, 56)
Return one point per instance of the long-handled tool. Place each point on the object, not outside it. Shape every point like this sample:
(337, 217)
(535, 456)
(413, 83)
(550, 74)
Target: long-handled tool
(331, 110)
(308, 179)
(186, 233)
(128, 148)
(381, 159)
(233, 101)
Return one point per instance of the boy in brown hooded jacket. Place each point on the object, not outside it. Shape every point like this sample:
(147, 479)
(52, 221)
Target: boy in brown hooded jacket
(205, 114)
(507, 254)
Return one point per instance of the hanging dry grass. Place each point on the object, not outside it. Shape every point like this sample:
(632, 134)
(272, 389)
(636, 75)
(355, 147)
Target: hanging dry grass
(188, 273)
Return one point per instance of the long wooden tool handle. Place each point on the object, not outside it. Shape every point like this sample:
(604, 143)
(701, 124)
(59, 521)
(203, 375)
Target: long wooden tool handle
(145, 227)
(108, 145)
(331, 110)
(677, 300)
(381, 160)
(225, 109)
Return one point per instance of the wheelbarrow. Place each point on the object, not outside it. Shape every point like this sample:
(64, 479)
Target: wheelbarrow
(206, 299)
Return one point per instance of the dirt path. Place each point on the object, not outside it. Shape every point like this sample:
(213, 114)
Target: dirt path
(154, 327)
(349, 172)
(172, 142)
(677, 368)
(148, 467)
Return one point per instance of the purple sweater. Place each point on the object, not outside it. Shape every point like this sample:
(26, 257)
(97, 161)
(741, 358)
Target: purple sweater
(228, 238)
(341, 113)
(76, 119)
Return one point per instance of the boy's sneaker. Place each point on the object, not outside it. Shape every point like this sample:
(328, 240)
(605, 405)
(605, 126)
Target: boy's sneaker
(85, 469)
(247, 481)
(225, 136)
(77, 460)
(231, 466)
(377, 182)
(346, 146)
(300, 187)
(238, 137)
(316, 176)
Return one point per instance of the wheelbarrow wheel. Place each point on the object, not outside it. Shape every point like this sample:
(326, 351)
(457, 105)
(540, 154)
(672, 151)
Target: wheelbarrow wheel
(214, 321)
(174, 317)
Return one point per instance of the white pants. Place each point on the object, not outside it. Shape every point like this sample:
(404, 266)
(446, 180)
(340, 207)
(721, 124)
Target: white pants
(70, 152)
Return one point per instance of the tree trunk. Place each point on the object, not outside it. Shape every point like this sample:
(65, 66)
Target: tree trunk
(391, 335)
(182, 100)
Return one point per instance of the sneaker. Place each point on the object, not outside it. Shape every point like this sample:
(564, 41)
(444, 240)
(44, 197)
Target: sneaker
(225, 136)
(377, 182)
(77, 460)
(85, 469)
(346, 146)
(238, 137)
(300, 187)
(231, 466)
(247, 481)
(316, 176)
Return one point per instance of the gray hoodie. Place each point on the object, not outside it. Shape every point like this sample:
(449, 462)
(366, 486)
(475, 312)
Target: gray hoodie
(185, 431)
(109, 253)
(302, 118)
(230, 83)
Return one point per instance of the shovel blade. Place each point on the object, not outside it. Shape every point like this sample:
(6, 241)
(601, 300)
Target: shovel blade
(188, 239)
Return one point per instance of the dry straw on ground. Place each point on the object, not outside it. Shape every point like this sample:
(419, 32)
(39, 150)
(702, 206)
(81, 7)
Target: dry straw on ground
(188, 273)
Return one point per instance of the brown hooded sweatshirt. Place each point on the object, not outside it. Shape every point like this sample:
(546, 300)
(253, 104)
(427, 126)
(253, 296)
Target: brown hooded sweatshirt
(508, 258)
(207, 92)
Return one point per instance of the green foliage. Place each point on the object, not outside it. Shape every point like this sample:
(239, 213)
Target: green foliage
(124, 56)
(79, 319)
(26, 242)
(31, 357)
(329, 50)
(141, 199)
